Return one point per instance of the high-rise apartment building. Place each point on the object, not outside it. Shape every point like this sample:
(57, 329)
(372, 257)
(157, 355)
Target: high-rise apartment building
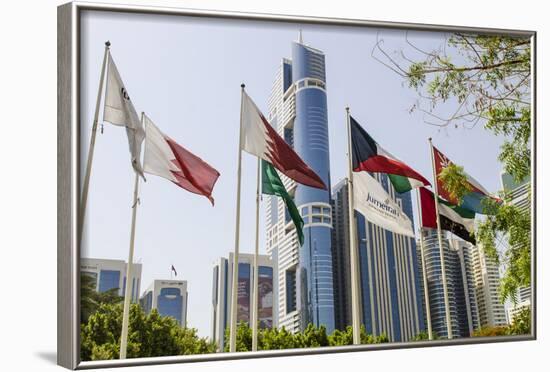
(391, 299)
(169, 297)
(221, 293)
(460, 285)
(487, 283)
(110, 274)
(519, 193)
(298, 112)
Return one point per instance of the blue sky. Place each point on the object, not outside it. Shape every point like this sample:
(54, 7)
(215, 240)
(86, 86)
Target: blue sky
(185, 73)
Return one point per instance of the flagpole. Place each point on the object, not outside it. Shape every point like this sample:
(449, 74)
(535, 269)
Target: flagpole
(234, 288)
(424, 272)
(128, 287)
(255, 280)
(355, 316)
(86, 183)
(441, 250)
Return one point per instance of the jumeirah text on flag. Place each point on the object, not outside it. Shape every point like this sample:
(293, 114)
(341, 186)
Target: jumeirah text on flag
(369, 156)
(119, 110)
(260, 139)
(473, 200)
(165, 158)
(457, 220)
(373, 202)
(272, 185)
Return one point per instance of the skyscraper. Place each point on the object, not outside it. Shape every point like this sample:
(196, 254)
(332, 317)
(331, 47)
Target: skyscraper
(391, 299)
(298, 111)
(519, 193)
(460, 285)
(487, 282)
(169, 297)
(221, 293)
(109, 274)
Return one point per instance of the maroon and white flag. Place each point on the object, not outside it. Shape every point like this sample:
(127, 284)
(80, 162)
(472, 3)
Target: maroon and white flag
(260, 139)
(163, 157)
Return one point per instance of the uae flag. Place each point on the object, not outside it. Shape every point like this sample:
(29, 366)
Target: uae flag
(272, 185)
(119, 110)
(165, 158)
(260, 139)
(369, 156)
(473, 200)
(457, 220)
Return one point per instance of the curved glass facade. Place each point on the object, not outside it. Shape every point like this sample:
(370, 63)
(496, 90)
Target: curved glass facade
(170, 303)
(310, 139)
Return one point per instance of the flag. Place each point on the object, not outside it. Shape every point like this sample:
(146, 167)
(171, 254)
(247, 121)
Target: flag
(369, 156)
(174, 270)
(472, 200)
(457, 220)
(272, 185)
(119, 110)
(165, 158)
(373, 202)
(260, 139)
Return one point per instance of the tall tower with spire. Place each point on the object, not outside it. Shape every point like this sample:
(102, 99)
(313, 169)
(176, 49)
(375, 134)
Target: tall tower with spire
(298, 111)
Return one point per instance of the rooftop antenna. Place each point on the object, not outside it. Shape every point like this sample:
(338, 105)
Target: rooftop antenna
(300, 38)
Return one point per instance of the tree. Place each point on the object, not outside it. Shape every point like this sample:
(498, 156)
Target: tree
(486, 81)
(521, 323)
(150, 335)
(277, 339)
(91, 299)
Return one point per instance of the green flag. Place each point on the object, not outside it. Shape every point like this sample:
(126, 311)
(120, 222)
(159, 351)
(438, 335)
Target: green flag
(272, 185)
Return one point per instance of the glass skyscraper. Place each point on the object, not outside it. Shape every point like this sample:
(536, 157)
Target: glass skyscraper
(391, 298)
(298, 111)
(460, 285)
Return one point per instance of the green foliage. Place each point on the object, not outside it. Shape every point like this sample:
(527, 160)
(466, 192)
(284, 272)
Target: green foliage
(148, 335)
(521, 325)
(486, 79)
(90, 299)
(276, 339)
(455, 182)
(424, 336)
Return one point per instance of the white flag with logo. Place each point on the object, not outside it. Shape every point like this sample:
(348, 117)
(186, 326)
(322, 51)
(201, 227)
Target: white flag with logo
(120, 111)
(373, 202)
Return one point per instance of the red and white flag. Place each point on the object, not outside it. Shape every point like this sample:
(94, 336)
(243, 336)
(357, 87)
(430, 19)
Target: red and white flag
(260, 139)
(165, 158)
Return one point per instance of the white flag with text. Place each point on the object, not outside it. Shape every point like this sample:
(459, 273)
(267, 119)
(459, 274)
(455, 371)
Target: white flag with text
(373, 202)
(119, 110)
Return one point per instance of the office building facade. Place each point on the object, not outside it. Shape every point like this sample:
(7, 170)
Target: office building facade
(221, 293)
(169, 297)
(391, 298)
(110, 274)
(298, 112)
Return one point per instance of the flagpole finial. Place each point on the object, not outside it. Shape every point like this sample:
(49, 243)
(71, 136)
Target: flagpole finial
(430, 139)
(242, 86)
(107, 43)
(347, 108)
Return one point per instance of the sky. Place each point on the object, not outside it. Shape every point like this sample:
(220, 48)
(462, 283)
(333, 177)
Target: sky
(185, 74)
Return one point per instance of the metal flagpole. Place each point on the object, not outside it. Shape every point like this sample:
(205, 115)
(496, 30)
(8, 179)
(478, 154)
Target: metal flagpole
(129, 287)
(355, 316)
(234, 287)
(86, 183)
(441, 250)
(424, 272)
(255, 280)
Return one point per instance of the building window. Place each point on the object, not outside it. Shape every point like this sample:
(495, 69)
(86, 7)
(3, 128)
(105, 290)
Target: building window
(290, 283)
(108, 279)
